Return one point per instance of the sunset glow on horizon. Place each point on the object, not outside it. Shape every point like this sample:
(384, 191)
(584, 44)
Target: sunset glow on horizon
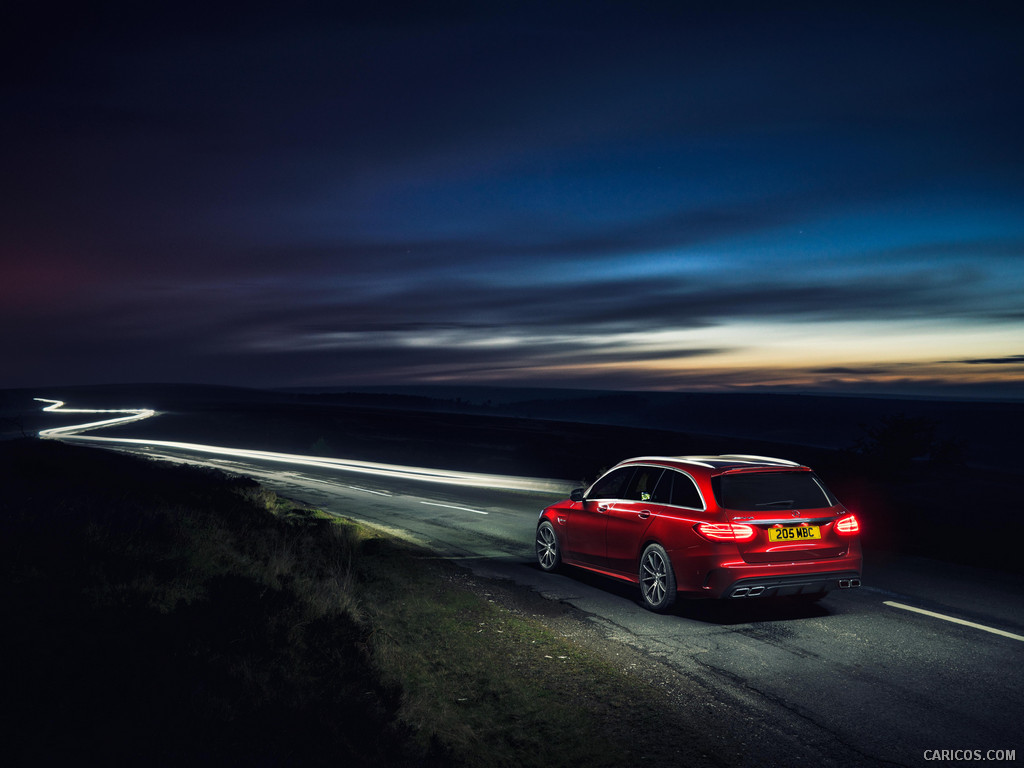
(826, 198)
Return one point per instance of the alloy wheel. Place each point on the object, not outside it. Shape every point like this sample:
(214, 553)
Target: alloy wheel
(657, 579)
(654, 578)
(547, 547)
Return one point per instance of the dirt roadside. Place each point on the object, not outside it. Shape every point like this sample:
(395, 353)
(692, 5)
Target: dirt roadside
(650, 716)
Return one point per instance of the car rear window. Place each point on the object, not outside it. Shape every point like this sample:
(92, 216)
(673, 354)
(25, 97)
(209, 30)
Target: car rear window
(762, 491)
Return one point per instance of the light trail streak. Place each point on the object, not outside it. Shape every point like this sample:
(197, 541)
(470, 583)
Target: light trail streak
(425, 474)
(134, 414)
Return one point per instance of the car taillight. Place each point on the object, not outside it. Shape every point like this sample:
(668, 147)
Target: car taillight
(848, 525)
(726, 531)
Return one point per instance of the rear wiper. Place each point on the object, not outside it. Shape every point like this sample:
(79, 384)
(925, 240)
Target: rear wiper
(779, 503)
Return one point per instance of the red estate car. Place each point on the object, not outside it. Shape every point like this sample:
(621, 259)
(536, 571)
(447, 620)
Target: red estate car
(706, 526)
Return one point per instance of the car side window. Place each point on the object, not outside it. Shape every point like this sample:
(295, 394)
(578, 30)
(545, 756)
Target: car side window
(684, 493)
(612, 485)
(642, 486)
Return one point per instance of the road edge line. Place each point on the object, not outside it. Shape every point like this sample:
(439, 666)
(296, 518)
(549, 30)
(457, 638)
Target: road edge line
(954, 620)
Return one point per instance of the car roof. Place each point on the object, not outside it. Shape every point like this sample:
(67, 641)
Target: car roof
(716, 465)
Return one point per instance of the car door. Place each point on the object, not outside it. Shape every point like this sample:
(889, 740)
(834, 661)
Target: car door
(630, 517)
(585, 531)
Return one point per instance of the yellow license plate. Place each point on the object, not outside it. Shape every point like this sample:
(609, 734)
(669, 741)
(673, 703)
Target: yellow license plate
(794, 533)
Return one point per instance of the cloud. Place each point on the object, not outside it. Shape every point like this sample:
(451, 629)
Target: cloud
(482, 190)
(1008, 360)
(866, 370)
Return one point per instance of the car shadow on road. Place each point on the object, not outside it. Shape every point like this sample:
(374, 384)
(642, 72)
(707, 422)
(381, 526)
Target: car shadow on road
(725, 612)
(749, 611)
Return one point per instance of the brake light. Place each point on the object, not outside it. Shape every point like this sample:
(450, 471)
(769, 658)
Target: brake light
(726, 531)
(848, 525)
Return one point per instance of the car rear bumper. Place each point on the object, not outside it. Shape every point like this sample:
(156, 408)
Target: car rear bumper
(792, 586)
(720, 573)
(782, 580)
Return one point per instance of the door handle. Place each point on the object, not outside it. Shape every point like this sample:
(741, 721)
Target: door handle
(645, 514)
(602, 507)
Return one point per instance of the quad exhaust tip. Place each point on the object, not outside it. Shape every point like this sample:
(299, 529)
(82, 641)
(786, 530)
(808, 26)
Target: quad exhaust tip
(757, 589)
(748, 591)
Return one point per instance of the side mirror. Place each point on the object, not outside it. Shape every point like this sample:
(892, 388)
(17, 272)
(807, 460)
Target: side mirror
(576, 495)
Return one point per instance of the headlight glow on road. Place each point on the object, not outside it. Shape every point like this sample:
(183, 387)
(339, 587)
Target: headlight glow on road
(426, 474)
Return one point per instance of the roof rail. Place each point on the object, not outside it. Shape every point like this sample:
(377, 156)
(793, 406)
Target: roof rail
(699, 460)
(709, 461)
(751, 457)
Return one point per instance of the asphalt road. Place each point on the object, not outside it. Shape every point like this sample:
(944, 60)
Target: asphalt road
(862, 678)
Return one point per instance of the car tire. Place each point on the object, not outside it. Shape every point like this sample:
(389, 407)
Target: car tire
(657, 579)
(549, 555)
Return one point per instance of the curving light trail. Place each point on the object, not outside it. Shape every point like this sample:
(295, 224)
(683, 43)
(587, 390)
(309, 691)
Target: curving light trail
(426, 474)
(134, 414)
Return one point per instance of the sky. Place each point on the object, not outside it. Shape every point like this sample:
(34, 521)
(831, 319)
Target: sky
(814, 197)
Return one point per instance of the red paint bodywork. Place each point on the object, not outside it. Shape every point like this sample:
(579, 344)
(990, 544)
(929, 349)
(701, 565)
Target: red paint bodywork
(608, 535)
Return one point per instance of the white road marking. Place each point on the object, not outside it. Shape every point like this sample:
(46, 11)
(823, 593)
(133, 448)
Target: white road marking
(955, 620)
(368, 490)
(452, 506)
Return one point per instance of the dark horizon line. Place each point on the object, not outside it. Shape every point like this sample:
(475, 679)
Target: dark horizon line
(961, 393)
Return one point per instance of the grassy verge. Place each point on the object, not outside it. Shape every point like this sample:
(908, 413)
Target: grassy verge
(166, 615)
